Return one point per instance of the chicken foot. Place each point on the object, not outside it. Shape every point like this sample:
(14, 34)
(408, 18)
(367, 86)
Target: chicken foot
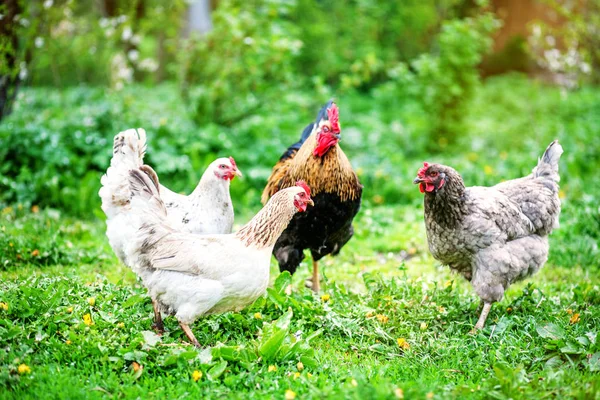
(158, 325)
(188, 332)
(313, 282)
(484, 314)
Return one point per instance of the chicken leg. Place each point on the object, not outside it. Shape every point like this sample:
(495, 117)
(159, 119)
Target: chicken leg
(484, 314)
(313, 282)
(188, 332)
(158, 325)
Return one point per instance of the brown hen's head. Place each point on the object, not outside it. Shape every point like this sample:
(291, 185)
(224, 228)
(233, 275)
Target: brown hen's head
(433, 177)
(328, 129)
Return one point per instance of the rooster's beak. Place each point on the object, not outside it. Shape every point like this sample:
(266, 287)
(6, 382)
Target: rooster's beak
(312, 203)
(417, 180)
(237, 172)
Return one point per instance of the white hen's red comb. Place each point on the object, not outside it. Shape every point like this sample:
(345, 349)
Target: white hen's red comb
(232, 161)
(304, 186)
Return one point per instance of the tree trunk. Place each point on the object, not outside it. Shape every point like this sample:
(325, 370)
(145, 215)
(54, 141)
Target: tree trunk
(10, 78)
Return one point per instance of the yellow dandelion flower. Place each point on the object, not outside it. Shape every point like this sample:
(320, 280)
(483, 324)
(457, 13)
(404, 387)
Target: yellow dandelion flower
(258, 315)
(488, 170)
(10, 244)
(70, 310)
(382, 318)
(508, 309)
(308, 374)
(574, 318)
(135, 366)
(429, 395)
(448, 283)
(23, 369)
(272, 368)
(442, 309)
(121, 325)
(569, 311)
(423, 326)
(403, 344)
(35, 253)
(325, 297)
(35, 209)
(378, 199)
(196, 375)
(87, 319)
(296, 375)
(68, 342)
(399, 393)
(472, 156)
(354, 383)
(561, 194)
(290, 395)
(4, 306)
(92, 301)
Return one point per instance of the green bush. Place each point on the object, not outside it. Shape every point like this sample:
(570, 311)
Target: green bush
(246, 59)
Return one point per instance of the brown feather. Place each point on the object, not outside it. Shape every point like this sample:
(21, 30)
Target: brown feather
(331, 173)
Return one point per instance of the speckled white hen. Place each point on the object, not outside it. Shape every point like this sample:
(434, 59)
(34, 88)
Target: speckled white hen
(208, 209)
(195, 275)
(493, 236)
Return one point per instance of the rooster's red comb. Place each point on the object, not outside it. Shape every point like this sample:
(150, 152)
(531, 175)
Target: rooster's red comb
(232, 161)
(333, 115)
(423, 170)
(304, 186)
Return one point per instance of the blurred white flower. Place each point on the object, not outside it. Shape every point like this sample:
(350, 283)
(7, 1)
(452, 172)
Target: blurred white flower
(148, 64)
(48, 3)
(24, 22)
(23, 71)
(127, 34)
(248, 40)
(39, 42)
(122, 18)
(136, 39)
(585, 68)
(133, 55)
(104, 22)
(537, 30)
(550, 40)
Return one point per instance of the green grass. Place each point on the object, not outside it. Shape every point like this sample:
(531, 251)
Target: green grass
(539, 342)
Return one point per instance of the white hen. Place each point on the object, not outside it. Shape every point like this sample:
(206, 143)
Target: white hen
(195, 275)
(207, 209)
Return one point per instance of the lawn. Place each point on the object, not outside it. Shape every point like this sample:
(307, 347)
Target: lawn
(390, 321)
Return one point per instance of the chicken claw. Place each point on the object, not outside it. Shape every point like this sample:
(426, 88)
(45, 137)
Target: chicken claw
(188, 332)
(158, 325)
(484, 314)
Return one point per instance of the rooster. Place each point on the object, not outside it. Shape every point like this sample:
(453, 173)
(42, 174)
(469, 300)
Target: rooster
(317, 159)
(196, 275)
(492, 236)
(208, 209)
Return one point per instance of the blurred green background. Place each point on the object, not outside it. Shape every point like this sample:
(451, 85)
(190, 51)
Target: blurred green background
(483, 86)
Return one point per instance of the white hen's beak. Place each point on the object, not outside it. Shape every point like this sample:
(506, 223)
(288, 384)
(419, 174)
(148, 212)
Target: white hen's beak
(237, 172)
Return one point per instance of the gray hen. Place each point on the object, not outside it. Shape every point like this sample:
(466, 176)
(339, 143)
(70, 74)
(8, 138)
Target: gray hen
(493, 236)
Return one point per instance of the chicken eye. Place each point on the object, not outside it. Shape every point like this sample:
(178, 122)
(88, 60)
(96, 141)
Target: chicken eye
(302, 194)
(222, 166)
(325, 129)
(433, 174)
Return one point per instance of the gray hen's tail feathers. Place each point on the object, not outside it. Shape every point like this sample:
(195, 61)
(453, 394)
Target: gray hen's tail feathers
(548, 165)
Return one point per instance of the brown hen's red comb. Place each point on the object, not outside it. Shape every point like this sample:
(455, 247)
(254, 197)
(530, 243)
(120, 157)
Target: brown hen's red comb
(333, 114)
(423, 170)
(304, 186)
(232, 161)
